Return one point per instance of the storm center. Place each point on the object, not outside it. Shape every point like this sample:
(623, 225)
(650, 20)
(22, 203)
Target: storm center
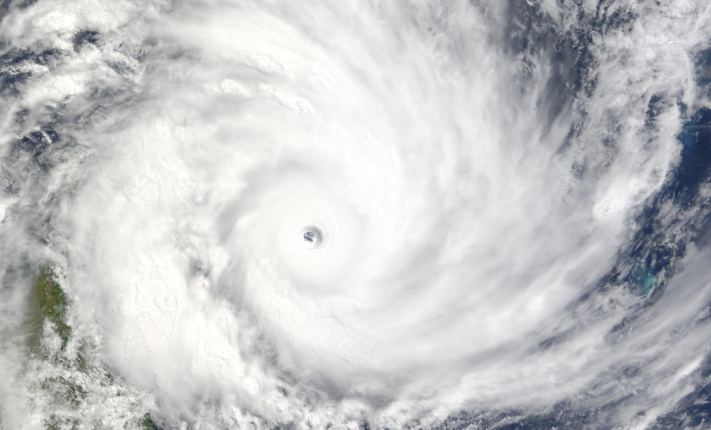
(312, 237)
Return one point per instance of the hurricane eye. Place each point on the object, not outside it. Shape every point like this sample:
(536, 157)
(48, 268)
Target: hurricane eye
(312, 237)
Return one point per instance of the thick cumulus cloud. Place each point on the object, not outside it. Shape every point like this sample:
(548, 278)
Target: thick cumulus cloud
(334, 213)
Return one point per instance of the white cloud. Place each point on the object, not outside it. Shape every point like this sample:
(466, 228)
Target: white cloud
(454, 238)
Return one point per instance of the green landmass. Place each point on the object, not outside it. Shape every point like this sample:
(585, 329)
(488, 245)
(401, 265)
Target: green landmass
(47, 301)
(147, 423)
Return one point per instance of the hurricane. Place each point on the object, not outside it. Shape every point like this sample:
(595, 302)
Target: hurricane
(416, 214)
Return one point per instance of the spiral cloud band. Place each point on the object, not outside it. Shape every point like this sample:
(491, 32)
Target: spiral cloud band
(341, 214)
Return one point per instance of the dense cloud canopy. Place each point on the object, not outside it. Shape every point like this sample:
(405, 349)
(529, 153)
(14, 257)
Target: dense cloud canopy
(340, 214)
